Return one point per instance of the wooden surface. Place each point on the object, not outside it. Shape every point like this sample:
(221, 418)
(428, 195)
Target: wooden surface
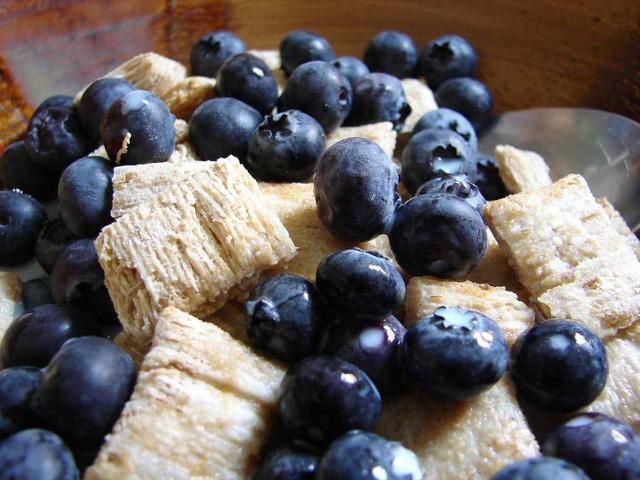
(537, 53)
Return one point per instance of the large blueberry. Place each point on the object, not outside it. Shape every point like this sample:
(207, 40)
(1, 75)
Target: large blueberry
(487, 178)
(355, 189)
(287, 464)
(300, 46)
(457, 184)
(97, 99)
(53, 238)
(21, 218)
(351, 67)
(541, 468)
(469, 97)
(36, 292)
(323, 397)
(448, 56)
(221, 127)
(320, 90)
(17, 388)
(438, 234)
(449, 120)
(285, 147)
(559, 365)
(393, 53)
(18, 171)
(211, 50)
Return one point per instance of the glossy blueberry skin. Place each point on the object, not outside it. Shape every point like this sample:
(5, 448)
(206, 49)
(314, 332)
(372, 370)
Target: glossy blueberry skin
(454, 353)
(469, 97)
(62, 101)
(457, 184)
(34, 337)
(212, 50)
(53, 238)
(605, 448)
(221, 127)
(559, 365)
(85, 191)
(18, 171)
(21, 218)
(300, 47)
(540, 468)
(84, 389)
(284, 317)
(247, 78)
(393, 53)
(359, 282)
(149, 122)
(487, 178)
(431, 153)
(438, 234)
(17, 387)
(351, 67)
(450, 120)
(287, 464)
(285, 147)
(97, 99)
(323, 397)
(318, 89)
(379, 97)
(36, 292)
(36, 455)
(359, 455)
(355, 189)
(446, 57)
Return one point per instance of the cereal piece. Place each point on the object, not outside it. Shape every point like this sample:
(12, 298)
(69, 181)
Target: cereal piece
(191, 247)
(521, 170)
(183, 152)
(202, 407)
(182, 130)
(620, 225)
(10, 292)
(382, 133)
(272, 59)
(130, 344)
(569, 255)
(189, 94)
(420, 99)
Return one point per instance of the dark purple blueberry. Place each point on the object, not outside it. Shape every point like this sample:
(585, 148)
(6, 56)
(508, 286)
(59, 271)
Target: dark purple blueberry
(287, 464)
(36, 292)
(323, 397)
(351, 67)
(59, 101)
(34, 337)
(36, 455)
(97, 99)
(559, 365)
(457, 184)
(53, 238)
(448, 56)
(540, 468)
(449, 120)
(355, 189)
(285, 147)
(320, 90)
(467, 96)
(393, 53)
(438, 234)
(18, 171)
(212, 50)
(431, 153)
(300, 47)
(361, 283)
(487, 178)
(138, 128)
(221, 127)
(605, 448)
(284, 317)
(21, 218)
(358, 455)
(84, 389)
(84, 195)
(378, 97)
(247, 78)
(17, 388)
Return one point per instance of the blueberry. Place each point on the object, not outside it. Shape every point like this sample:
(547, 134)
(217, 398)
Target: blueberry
(36, 455)
(351, 67)
(540, 468)
(320, 90)
(211, 50)
(487, 178)
(605, 448)
(449, 120)
(393, 53)
(53, 238)
(378, 97)
(285, 147)
(17, 388)
(247, 78)
(21, 218)
(323, 397)
(355, 189)
(34, 337)
(17, 170)
(359, 282)
(36, 292)
(84, 389)
(358, 455)
(287, 464)
(97, 99)
(284, 317)
(457, 184)
(84, 195)
(431, 153)
(222, 127)
(138, 128)
(559, 365)
(438, 234)
(300, 47)
(467, 96)
(62, 101)
(446, 57)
